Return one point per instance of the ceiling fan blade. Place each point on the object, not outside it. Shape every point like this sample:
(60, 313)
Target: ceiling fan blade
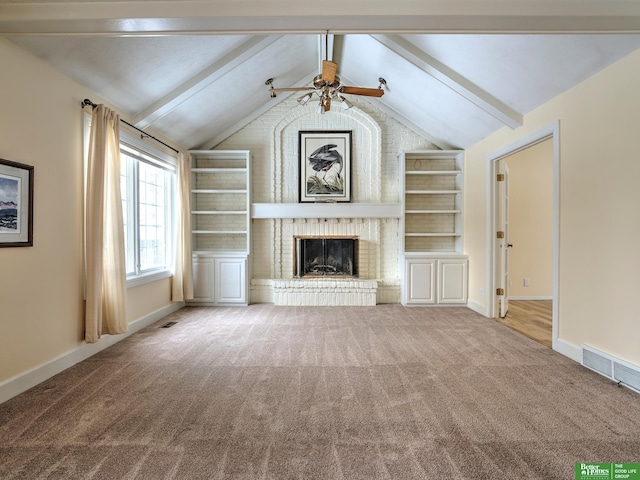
(368, 92)
(329, 70)
(293, 89)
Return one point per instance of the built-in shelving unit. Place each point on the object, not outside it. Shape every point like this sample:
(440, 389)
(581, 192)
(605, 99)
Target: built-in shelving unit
(435, 269)
(220, 200)
(221, 220)
(432, 200)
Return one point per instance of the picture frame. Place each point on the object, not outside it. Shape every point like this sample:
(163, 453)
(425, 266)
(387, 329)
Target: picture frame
(16, 204)
(324, 166)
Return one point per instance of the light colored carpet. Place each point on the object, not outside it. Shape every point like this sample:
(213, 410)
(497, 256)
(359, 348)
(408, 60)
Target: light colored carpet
(268, 392)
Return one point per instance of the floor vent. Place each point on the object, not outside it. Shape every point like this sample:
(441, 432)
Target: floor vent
(611, 367)
(168, 325)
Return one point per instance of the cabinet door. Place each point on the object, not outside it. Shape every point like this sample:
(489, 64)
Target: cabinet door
(203, 279)
(452, 280)
(231, 279)
(420, 288)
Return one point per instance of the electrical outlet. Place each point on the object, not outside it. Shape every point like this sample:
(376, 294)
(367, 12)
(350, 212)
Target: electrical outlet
(510, 283)
(526, 282)
(481, 292)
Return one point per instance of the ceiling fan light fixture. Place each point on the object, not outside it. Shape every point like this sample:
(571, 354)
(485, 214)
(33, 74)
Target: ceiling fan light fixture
(346, 104)
(304, 99)
(320, 109)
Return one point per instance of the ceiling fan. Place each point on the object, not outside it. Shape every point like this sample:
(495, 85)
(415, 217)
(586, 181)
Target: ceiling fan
(328, 87)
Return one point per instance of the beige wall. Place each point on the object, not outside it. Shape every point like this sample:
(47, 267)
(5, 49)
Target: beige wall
(531, 221)
(41, 286)
(599, 198)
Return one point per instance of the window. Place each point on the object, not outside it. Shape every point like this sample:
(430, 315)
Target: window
(147, 184)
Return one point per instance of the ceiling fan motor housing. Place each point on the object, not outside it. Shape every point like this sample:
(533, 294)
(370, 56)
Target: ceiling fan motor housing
(319, 82)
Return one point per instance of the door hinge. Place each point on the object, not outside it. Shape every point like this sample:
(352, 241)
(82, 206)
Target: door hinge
(500, 235)
(499, 291)
(500, 177)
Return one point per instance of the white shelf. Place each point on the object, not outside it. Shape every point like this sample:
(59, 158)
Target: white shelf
(432, 192)
(208, 190)
(220, 232)
(219, 212)
(326, 210)
(438, 254)
(433, 211)
(434, 172)
(432, 234)
(219, 170)
(227, 252)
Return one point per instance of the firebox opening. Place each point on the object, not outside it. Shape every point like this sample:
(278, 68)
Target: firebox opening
(326, 257)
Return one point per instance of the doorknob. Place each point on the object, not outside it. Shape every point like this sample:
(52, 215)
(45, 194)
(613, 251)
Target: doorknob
(509, 245)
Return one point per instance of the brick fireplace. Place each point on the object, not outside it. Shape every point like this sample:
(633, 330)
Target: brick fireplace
(372, 217)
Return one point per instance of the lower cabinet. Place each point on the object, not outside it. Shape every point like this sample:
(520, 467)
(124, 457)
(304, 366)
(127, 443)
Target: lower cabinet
(435, 280)
(203, 277)
(220, 279)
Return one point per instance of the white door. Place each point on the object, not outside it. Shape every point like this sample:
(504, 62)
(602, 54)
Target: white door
(502, 239)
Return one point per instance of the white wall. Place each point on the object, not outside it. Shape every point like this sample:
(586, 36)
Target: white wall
(599, 198)
(41, 287)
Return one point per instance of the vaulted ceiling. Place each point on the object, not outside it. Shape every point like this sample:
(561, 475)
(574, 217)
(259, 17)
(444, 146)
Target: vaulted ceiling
(198, 78)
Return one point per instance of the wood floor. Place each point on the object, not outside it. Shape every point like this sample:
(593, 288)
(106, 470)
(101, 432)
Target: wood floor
(531, 318)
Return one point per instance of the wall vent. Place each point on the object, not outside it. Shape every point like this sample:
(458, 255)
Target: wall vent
(611, 367)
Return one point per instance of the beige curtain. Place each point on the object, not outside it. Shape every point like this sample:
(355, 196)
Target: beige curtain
(182, 285)
(106, 288)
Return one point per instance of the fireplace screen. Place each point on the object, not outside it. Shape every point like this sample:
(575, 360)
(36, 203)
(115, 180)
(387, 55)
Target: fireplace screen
(326, 256)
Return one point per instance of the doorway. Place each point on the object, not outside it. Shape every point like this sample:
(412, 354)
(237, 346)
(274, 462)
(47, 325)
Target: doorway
(531, 318)
(503, 274)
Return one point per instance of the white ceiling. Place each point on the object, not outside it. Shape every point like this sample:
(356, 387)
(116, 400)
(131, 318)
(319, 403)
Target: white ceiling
(198, 86)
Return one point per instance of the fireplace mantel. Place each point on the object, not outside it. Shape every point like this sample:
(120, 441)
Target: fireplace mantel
(326, 210)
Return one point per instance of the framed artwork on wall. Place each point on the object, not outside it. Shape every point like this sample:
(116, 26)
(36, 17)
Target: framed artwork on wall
(16, 204)
(324, 166)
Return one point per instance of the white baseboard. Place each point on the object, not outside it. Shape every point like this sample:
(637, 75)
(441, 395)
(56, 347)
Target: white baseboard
(569, 350)
(476, 307)
(24, 381)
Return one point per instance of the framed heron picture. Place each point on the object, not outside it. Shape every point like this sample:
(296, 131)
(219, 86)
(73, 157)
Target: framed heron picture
(325, 166)
(16, 204)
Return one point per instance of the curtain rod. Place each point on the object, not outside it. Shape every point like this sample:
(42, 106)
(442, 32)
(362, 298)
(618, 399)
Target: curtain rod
(86, 102)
